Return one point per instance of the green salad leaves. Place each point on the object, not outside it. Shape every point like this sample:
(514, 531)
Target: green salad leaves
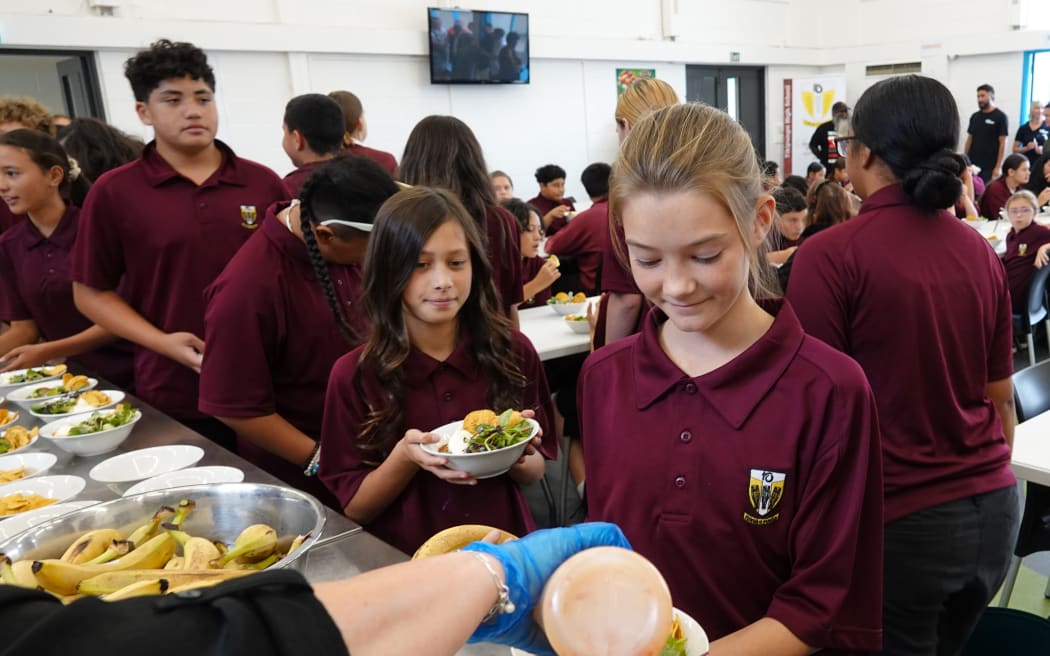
(106, 420)
(487, 437)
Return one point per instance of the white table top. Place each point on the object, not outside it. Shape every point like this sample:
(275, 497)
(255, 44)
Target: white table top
(1031, 456)
(550, 335)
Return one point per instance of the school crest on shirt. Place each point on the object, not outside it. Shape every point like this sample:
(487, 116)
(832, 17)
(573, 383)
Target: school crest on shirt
(249, 217)
(765, 489)
(1022, 250)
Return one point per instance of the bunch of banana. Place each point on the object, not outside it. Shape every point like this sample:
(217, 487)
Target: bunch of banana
(157, 557)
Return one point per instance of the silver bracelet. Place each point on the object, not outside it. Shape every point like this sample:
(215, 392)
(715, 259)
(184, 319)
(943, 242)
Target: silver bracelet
(503, 605)
(314, 462)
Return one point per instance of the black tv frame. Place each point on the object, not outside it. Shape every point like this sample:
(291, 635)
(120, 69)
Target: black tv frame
(526, 60)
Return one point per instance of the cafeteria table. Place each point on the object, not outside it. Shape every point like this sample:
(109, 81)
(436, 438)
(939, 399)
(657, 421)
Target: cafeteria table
(1031, 453)
(351, 550)
(550, 335)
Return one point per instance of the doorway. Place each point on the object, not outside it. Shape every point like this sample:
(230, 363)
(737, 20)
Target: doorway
(64, 81)
(737, 90)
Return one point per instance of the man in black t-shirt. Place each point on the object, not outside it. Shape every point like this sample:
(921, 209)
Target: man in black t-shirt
(1032, 135)
(818, 143)
(986, 136)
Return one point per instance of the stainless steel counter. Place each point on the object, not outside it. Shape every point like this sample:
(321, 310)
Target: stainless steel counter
(346, 556)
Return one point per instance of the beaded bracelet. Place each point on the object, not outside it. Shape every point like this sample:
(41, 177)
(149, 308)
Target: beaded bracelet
(314, 462)
(503, 605)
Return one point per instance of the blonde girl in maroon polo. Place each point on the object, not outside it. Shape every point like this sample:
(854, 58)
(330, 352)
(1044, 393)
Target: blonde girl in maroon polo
(920, 301)
(1027, 247)
(42, 186)
(286, 307)
(738, 454)
(165, 225)
(439, 349)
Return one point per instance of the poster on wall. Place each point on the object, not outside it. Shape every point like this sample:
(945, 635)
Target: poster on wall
(624, 77)
(806, 105)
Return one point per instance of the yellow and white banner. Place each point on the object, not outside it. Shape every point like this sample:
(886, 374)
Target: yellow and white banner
(807, 104)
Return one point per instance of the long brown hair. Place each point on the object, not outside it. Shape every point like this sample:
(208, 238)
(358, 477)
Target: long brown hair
(402, 227)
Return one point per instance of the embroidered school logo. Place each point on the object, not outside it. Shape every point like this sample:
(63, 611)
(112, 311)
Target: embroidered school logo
(249, 217)
(1022, 250)
(764, 491)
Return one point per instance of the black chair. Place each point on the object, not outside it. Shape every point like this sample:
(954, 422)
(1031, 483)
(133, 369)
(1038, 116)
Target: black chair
(1031, 397)
(1009, 631)
(1037, 312)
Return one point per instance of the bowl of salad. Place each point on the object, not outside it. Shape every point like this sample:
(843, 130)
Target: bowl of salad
(75, 404)
(563, 303)
(484, 444)
(92, 433)
(30, 395)
(10, 380)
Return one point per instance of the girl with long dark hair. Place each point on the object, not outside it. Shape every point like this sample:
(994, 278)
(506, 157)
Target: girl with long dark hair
(439, 349)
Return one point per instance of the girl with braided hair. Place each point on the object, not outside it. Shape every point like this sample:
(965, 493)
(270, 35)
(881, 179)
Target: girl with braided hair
(284, 310)
(440, 349)
(43, 188)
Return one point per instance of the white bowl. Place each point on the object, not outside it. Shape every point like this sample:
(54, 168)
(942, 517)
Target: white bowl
(11, 419)
(59, 488)
(27, 520)
(115, 397)
(696, 642)
(24, 447)
(91, 444)
(582, 327)
(5, 378)
(567, 308)
(184, 477)
(479, 465)
(34, 463)
(21, 396)
(146, 463)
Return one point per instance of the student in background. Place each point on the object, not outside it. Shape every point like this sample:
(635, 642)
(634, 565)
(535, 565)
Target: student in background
(1027, 247)
(1016, 174)
(164, 226)
(356, 131)
(286, 307)
(831, 206)
(945, 397)
(502, 186)
(584, 237)
(99, 147)
(21, 113)
(796, 182)
(439, 350)
(621, 308)
(815, 173)
(737, 453)
(442, 151)
(1038, 180)
(537, 273)
(313, 134)
(788, 224)
(551, 200)
(41, 185)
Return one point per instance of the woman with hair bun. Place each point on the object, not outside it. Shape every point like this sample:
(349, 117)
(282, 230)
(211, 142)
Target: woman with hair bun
(921, 302)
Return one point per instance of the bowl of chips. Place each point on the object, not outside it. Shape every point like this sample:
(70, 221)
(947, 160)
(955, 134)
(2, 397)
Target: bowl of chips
(578, 323)
(7, 417)
(28, 396)
(33, 493)
(563, 303)
(17, 438)
(25, 465)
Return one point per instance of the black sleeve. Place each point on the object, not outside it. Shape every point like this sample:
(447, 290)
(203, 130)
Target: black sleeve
(818, 143)
(265, 614)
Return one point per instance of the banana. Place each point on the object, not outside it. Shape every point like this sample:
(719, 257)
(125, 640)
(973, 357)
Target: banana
(183, 511)
(116, 549)
(17, 574)
(174, 563)
(296, 543)
(138, 589)
(254, 543)
(91, 545)
(455, 538)
(262, 564)
(62, 578)
(146, 531)
(108, 582)
(198, 553)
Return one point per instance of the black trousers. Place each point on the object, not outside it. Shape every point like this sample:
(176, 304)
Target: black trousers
(942, 567)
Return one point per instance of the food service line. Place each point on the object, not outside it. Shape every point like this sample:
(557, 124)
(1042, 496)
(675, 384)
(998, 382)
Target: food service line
(344, 549)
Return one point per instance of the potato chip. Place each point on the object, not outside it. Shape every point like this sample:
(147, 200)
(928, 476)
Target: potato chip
(95, 398)
(6, 416)
(12, 504)
(8, 475)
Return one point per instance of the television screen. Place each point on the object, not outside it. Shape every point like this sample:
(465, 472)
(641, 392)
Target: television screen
(478, 47)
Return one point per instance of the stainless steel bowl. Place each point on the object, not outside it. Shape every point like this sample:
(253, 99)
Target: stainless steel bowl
(223, 511)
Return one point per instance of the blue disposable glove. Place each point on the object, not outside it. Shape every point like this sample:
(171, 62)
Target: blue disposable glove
(528, 563)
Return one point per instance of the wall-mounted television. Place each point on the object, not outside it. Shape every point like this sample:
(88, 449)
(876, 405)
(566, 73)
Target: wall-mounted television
(478, 47)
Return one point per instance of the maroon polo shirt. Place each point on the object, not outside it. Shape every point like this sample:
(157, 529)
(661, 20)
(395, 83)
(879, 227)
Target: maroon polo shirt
(584, 238)
(1021, 248)
(436, 393)
(779, 242)
(7, 218)
(545, 205)
(530, 266)
(504, 255)
(272, 340)
(921, 302)
(165, 239)
(37, 287)
(294, 181)
(616, 278)
(755, 489)
(385, 159)
(994, 199)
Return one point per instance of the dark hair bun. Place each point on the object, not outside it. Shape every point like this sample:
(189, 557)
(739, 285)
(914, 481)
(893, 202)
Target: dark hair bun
(935, 184)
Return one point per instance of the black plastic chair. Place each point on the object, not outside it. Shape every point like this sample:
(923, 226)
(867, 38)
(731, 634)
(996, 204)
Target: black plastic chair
(1031, 397)
(1037, 312)
(1006, 631)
